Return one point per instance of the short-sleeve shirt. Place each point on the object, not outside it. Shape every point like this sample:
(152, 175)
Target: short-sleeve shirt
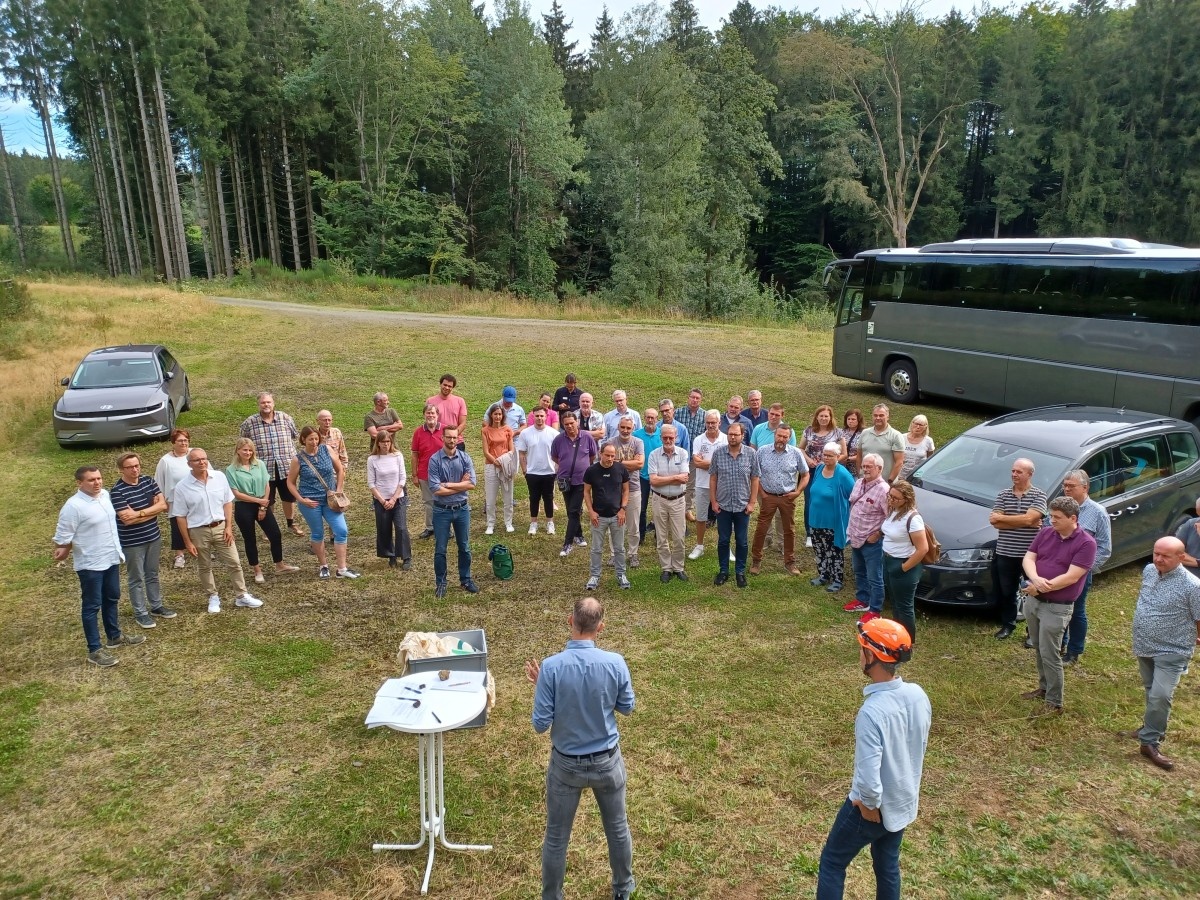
(514, 415)
(1056, 554)
(613, 418)
(424, 444)
(886, 444)
(1015, 541)
(704, 447)
(1168, 608)
(1191, 541)
(764, 435)
(274, 441)
(202, 502)
(450, 469)
(574, 456)
(536, 446)
(569, 396)
(733, 476)
(747, 425)
(135, 497)
(627, 451)
(452, 410)
(651, 441)
(780, 470)
(380, 419)
(898, 532)
(659, 462)
(915, 454)
(252, 481)
(606, 487)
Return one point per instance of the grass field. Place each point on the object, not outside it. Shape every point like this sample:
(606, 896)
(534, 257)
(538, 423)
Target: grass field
(226, 756)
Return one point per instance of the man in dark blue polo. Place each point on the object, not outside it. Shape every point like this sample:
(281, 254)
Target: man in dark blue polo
(577, 693)
(451, 476)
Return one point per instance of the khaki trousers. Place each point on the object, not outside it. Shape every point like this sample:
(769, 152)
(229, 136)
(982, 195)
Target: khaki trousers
(670, 521)
(209, 543)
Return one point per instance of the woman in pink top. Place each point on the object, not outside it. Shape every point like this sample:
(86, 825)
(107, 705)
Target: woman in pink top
(546, 402)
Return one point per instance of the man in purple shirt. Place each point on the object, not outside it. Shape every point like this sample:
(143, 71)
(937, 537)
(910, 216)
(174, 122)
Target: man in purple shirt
(1056, 564)
(572, 451)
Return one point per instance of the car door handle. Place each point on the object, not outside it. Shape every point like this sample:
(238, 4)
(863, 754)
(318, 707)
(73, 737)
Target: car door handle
(1132, 509)
(1114, 515)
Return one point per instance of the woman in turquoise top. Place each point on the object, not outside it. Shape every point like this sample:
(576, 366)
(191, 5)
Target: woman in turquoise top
(249, 482)
(310, 492)
(829, 496)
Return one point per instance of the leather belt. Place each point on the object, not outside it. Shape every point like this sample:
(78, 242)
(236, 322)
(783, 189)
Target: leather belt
(450, 506)
(583, 757)
(665, 496)
(214, 524)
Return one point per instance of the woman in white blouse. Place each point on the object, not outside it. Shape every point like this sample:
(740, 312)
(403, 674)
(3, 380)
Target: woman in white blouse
(904, 546)
(918, 446)
(172, 469)
(386, 478)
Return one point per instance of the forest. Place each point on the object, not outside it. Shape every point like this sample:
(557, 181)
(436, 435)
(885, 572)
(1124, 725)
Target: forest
(647, 160)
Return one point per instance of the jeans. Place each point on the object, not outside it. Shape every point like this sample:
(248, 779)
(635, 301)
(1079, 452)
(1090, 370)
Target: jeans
(616, 532)
(1046, 622)
(573, 498)
(849, 834)
(443, 520)
(902, 590)
(867, 562)
(737, 523)
(1076, 635)
(246, 517)
(566, 779)
(1006, 576)
(141, 572)
(315, 520)
(101, 592)
(391, 530)
(1160, 676)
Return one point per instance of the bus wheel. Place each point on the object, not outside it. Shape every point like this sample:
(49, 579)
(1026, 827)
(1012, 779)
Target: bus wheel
(900, 382)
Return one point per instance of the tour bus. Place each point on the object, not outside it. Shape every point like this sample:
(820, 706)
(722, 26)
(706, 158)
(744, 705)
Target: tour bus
(1028, 322)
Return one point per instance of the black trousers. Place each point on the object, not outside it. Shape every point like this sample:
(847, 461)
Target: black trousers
(391, 530)
(541, 488)
(1006, 578)
(246, 516)
(573, 497)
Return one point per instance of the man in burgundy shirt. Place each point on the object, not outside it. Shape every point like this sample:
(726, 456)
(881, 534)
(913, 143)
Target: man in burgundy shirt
(1056, 566)
(426, 441)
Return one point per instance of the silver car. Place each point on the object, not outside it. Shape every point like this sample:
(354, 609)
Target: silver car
(122, 394)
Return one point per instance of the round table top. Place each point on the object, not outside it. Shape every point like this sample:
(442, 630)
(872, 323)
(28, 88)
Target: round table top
(454, 708)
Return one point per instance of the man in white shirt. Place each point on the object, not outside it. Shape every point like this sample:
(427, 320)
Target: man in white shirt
(668, 468)
(703, 447)
(87, 530)
(534, 445)
(203, 504)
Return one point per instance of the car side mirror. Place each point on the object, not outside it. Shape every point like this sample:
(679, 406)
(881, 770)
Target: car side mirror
(65, 382)
(170, 376)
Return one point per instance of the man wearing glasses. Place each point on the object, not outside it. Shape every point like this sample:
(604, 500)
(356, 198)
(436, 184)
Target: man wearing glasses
(137, 500)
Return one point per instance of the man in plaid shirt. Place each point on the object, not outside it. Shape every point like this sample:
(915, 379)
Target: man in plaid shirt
(274, 434)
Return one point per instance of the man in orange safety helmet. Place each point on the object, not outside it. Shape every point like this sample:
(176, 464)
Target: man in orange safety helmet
(891, 732)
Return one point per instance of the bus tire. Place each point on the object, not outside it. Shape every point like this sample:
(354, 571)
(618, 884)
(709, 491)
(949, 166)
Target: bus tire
(900, 382)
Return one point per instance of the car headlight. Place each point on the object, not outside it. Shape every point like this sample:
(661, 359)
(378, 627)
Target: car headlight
(971, 556)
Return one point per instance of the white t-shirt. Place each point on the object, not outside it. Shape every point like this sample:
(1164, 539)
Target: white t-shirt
(704, 447)
(536, 445)
(896, 540)
(915, 454)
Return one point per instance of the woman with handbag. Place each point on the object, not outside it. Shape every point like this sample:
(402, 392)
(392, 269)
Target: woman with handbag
(250, 483)
(387, 481)
(315, 479)
(904, 546)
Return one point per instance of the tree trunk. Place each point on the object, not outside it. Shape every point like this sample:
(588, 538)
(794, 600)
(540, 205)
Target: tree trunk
(256, 208)
(223, 219)
(100, 180)
(12, 202)
(120, 180)
(204, 232)
(308, 208)
(166, 265)
(291, 196)
(172, 181)
(239, 199)
(60, 201)
(269, 206)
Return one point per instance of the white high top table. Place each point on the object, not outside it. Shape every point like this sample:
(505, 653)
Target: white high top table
(441, 710)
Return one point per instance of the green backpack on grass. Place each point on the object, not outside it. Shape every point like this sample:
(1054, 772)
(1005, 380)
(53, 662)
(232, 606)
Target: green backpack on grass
(502, 562)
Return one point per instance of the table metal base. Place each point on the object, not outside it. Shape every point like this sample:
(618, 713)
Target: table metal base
(433, 805)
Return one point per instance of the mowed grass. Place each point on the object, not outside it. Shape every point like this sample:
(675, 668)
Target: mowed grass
(226, 756)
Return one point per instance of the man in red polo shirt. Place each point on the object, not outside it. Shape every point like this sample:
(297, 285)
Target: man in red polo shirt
(426, 441)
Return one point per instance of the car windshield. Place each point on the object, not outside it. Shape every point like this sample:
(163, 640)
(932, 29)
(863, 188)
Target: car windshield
(977, 470)
(112, 373)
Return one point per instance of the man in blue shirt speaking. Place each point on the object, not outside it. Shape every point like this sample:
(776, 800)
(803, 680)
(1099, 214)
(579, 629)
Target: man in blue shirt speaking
(577, 693)
(891, 732)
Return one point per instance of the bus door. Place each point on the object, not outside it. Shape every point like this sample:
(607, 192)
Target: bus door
(850, 330)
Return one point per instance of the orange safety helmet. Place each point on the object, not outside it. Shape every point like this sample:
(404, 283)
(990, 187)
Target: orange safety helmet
(887, 639)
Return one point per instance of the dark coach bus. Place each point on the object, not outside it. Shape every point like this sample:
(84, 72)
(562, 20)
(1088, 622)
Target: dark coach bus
(1021, 323)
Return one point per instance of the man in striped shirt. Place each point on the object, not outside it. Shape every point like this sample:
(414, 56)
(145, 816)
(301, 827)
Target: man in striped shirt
(137, 500)
(1017, 516)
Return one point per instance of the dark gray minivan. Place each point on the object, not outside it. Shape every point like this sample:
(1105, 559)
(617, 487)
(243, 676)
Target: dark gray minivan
(1144, 469)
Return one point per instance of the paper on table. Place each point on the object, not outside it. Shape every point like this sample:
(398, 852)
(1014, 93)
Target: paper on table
(465, 682)
(394, 711)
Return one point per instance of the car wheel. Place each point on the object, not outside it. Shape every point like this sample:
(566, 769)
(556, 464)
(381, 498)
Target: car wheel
(187, 397)
(900, 382)
(1021, 598)
(170, 420)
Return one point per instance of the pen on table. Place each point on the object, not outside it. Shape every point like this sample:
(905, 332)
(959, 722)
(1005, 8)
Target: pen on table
(435, 715)
(458, 684)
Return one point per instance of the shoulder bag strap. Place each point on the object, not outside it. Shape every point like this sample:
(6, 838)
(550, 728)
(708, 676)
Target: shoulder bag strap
(304, 456)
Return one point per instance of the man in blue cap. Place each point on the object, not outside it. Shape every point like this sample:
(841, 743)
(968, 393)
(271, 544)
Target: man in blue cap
(514, 415)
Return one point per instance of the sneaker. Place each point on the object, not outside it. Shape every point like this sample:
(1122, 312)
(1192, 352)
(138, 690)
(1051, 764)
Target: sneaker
(285, 569)
(491, 529)
(533, 527)
(248, 600)
(102, 658)
(346, 573)
(469, 586)
(623, 583)
(509, 528)
(808, 543)
(146, 620)
(164, 612)
(868, 616)
(128, 640)
(634, 562)
(856, 606)
(439, 591)
(550, 527)
(323, 572)
(697, 552)
(834, 587)
(592, 584)
(259, 579)
(180, 563)
(214, 603)
(566, 550)
(427, 533)
(580, 542)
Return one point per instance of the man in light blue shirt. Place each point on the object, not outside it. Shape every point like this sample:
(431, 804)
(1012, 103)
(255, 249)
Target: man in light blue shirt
(576, 697)
(891, 733)
(87, 530)
(1093, 518)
